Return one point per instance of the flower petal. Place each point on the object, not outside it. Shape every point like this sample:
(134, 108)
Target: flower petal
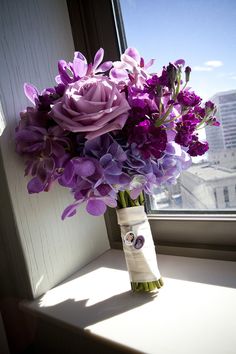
(70, 211)
(104, 67)
(84, 168)
(35, 186)
(133, 53)
(80, 67)
(31, 92)
(96, 207)
(98, 58)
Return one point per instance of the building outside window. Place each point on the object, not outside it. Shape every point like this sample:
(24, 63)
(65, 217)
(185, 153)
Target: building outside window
(167, 39)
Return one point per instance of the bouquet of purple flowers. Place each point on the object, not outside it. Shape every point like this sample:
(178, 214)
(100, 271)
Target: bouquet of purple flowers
(111, 131)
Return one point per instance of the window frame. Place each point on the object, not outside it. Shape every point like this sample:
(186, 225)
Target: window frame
(206, 235)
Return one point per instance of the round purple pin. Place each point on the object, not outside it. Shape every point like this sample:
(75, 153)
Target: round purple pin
(139, 242)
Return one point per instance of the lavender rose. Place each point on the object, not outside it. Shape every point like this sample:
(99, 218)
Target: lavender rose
(93, 106)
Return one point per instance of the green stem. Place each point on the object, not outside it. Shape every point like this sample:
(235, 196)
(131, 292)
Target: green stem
(141, 198)
(125, 200)
(147, 286)
(184, 85)
(132, 202)
(122, 199)
(162, 120)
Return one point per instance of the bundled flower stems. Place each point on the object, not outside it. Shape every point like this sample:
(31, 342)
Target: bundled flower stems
(111, 131)
(138, 244)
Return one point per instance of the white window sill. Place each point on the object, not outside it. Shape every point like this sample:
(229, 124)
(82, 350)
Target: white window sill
(195, 311)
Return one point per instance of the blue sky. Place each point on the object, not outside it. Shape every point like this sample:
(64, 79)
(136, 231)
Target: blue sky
(201, 32)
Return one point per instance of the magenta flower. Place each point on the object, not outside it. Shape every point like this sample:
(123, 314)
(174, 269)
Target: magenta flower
(185, 129)
(150, 140)
(93, 106)
(197, 148)
(210, 105)
(188, 98)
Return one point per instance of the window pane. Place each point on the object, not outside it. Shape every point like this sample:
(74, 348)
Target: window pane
(204, 34)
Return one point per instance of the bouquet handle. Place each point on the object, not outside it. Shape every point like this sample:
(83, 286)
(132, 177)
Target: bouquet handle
(139, 249)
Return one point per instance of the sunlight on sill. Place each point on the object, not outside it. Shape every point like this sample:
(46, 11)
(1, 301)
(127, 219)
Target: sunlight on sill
(193, 313)
(102, 285)
(93, 287)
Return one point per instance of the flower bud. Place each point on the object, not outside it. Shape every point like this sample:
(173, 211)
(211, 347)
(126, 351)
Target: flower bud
(187, 73)
(171, 74)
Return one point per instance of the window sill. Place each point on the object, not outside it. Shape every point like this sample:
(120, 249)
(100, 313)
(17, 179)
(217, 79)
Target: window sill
(194, 312)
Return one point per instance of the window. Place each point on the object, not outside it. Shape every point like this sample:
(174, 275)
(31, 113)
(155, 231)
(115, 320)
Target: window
(184, 232)
(209, 77)
(226, 196)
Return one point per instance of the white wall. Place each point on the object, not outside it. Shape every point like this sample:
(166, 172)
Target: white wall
(34, 35)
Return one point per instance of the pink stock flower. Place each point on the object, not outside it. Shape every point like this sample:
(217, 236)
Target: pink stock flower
(93, 106)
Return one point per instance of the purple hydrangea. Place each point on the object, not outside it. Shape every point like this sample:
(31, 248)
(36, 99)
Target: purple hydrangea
(169, 167)
(111, 157)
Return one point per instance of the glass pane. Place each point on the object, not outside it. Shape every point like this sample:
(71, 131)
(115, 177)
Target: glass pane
(204, 34)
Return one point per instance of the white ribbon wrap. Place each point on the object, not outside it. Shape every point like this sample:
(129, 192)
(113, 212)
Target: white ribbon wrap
(141, 263)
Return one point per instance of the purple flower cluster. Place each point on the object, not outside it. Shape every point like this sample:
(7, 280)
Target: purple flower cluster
(150, 140)
(188, 98)
(110, 127)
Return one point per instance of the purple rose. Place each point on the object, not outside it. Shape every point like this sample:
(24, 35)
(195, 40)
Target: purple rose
(93, 106)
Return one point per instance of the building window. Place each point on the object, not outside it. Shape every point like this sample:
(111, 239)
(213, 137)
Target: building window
(215, 195)
(226, 196)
